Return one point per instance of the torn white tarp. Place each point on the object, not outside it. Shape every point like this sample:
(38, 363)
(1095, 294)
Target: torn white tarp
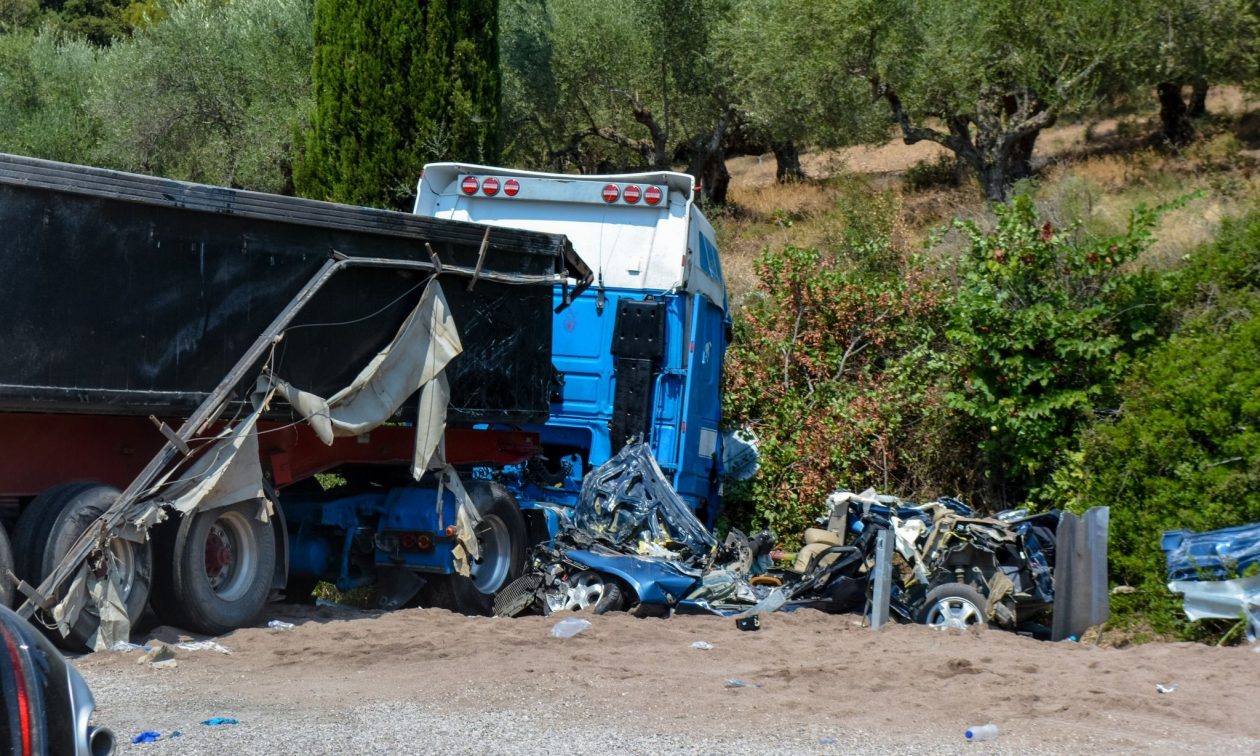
(1222, 599)
(227, 473)
(107, 602)
(413, 360)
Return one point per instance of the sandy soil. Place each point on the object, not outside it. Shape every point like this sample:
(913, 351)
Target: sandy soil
(427, 680)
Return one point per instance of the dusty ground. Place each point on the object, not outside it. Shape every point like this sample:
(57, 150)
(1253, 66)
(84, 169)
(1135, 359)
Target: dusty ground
(429, 681)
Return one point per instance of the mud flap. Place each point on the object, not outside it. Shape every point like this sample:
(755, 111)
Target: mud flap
(1081, 598)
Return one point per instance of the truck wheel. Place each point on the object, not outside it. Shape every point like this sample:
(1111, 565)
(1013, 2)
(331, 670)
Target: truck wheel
(501, 536)
(953, 606)
(6, 566)
(215, 568)
(49, 527)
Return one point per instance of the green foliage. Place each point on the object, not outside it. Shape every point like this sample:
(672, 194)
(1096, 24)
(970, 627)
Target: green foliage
(213, 93)
(979, 77)
(45, 83)
(1188, 39)
(18, 14)
(1043, 326)
(1184, 450)
(926, 174)
(613, 85)
(828, 367)
(398, 84)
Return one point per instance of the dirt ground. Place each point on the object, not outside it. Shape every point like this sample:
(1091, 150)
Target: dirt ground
(425, 680)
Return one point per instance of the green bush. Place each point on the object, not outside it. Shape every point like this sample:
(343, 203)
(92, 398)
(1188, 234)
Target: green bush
(1184, 449)
(1042, 327)
(930, 174)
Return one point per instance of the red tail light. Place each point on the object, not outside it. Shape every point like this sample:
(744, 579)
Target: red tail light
(468, 185)
(511, 187)
(611, 193)
(653, 195)
(490, 186)
(631, 194)
(25, 725)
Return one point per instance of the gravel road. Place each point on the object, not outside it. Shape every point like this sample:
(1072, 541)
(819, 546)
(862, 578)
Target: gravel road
(427, 681)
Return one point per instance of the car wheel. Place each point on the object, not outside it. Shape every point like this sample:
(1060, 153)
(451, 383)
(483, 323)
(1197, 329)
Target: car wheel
(953, 606)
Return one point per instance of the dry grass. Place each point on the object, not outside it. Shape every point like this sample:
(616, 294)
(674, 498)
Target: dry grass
(1090, 171)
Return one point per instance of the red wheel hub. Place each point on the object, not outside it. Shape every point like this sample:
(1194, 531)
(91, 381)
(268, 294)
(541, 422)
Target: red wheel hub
(218, 554)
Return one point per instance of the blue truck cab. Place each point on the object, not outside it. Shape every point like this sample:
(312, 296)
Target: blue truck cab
(638, 356)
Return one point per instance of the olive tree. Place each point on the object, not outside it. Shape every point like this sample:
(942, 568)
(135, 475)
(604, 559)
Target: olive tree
(982, 78)
(620, 84)
(46, 80)
(213, 93)
(1196, 42)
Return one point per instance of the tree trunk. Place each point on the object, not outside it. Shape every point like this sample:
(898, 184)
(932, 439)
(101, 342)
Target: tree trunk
(993, 180)
(1175, 126)
(1019, 159)
(709, 170)
(787, 160)
(1198, 98)
(999, 167)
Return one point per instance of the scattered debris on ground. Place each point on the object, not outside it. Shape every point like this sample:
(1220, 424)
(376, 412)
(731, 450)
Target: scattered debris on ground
(631, 544)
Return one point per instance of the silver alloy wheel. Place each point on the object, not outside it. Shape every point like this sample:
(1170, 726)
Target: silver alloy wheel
(954, 613)
(583, 590)
(231, 556)
(490, 572)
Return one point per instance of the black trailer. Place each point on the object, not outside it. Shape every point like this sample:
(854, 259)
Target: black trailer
(128, 294)
(132, 305)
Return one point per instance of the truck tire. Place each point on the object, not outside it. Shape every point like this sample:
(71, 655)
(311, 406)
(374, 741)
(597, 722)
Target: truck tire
(214, 568)
(6, 566)
(49, 527)
(501, 535)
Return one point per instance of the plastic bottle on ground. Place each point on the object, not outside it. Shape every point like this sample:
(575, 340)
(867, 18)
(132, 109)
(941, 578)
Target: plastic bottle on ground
(982, 732)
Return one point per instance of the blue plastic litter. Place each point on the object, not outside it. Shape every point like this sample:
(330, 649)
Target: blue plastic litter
(148, 736)
(215, 721)
(1215, 555)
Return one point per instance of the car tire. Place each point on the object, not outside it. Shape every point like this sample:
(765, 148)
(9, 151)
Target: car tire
(953, 606)
(215, 568)
(612, 599)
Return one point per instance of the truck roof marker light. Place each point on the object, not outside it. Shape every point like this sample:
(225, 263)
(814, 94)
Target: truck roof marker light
(631, 194)
(611, 193)
(469, 185)
(490, 186)
(653, 195)
(511, 187)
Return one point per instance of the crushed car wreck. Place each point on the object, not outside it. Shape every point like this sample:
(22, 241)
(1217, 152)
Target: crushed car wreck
(631, 544)
(1215, 572)
(953, 568)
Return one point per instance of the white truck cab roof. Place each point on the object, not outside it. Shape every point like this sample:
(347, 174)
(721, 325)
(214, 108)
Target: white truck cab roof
(635, 231)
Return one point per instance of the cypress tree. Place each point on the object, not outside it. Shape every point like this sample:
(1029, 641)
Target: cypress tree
(398, 83)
